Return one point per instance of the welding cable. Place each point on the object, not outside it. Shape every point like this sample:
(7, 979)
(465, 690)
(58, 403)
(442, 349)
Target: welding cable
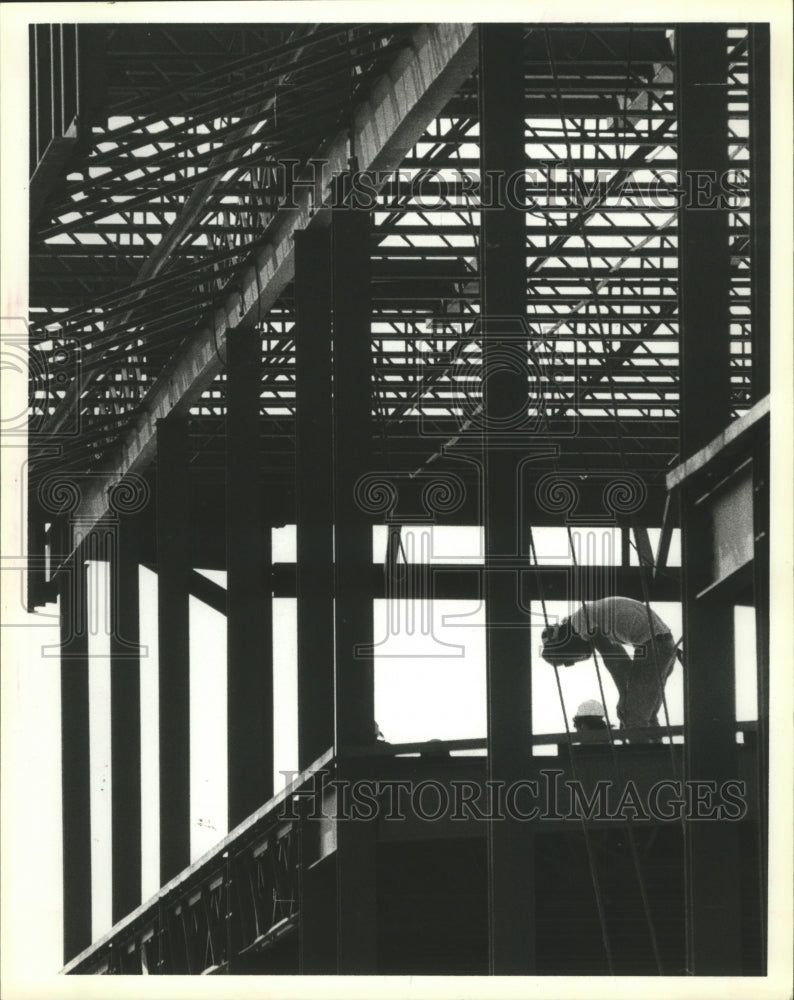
(616, 765)
(591, 859)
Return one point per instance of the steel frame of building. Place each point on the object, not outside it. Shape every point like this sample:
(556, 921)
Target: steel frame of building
(338, 275)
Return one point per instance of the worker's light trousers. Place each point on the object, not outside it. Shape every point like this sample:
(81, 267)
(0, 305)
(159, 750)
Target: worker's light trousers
(640, 681)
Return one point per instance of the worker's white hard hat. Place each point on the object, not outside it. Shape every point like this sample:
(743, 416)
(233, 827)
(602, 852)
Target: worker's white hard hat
(590, 707)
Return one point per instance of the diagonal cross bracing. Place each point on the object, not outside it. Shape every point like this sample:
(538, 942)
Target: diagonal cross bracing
(400, 106)
(190, 212)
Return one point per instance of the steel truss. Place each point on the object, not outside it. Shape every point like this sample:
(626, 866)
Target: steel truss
(156, 217)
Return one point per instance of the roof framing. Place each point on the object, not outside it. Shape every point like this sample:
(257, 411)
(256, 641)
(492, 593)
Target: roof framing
(169, 230)
(400, 106)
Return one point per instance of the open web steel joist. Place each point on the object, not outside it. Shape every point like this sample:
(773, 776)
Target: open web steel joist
(173, 224)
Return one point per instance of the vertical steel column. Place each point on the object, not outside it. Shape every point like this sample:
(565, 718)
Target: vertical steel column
(353, 669)
(173, 615)
(352, 445)
(44, 121)
(125, 719)
(760, 159)
(316, 907)
(313, 494)
(505, 399)
(54, 81)
(75, 759)
(712, 857)
(33, 64)
(37, 589)
(761, 591)
(249, 617)
(704, 261)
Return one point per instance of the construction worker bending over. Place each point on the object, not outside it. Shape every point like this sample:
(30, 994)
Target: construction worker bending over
(607, 626)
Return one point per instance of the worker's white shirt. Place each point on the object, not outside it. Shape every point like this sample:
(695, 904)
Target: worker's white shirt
(622, 618)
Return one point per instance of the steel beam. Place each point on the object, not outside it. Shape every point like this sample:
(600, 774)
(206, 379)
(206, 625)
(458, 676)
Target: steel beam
(644, 548)
(75, 759)
(761, 595)
(317, 914)
(353, 609)
(125, 717)
(733, 441)
(208, 592)
(352, 444)
(313, 494)
(511, 878)
(712, 855)
(712, 851)
(760, 209)
(703, 235)
(451, 582)
(401, 103)
(670, 519)
(37, 591)
(173, 616)
(249, 618)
